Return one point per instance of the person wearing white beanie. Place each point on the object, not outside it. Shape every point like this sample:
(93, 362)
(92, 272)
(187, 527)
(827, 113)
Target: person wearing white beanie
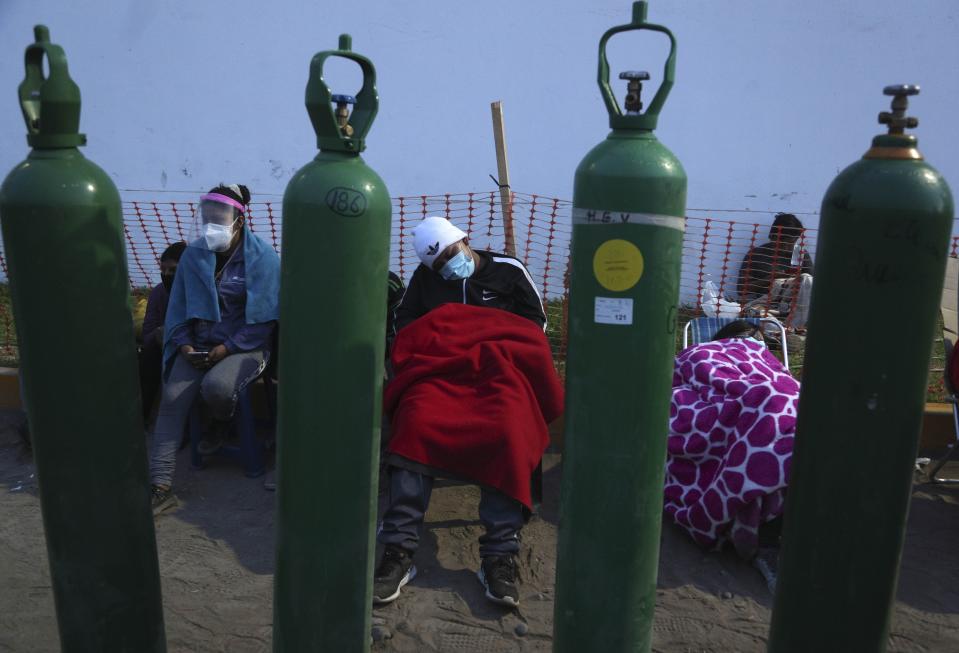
(453, 272)
(433, 236)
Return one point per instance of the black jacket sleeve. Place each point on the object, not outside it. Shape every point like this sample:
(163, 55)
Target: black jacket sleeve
(411, 306)
(528, 302)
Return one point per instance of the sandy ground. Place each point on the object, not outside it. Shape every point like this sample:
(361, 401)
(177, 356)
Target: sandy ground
(216, 562)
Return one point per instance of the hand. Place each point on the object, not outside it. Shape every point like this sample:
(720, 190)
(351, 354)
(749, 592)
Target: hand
(217, 354)
(198, 363)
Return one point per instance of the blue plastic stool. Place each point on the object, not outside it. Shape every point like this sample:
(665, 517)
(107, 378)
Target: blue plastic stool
(249, 449)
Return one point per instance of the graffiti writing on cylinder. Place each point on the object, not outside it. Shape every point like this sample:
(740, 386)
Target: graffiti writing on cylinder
(910, 230)
(346, 201)
(902, 230)
(871, 271)
(606, 217)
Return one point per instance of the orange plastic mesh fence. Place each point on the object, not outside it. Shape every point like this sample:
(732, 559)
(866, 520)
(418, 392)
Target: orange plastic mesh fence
(715, 250)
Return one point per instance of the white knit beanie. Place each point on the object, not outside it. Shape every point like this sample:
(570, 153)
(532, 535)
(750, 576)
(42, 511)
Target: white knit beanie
(432, 236)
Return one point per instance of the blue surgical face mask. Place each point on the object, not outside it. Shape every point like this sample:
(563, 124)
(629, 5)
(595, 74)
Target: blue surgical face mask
(460, 266)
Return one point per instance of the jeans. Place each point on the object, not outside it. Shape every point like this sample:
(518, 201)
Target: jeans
(410, 492)
(218, 386)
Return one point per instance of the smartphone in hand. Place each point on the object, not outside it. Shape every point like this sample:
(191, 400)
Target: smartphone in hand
(197, 355)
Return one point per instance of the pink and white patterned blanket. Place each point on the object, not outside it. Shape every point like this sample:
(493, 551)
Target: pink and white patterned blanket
(731, 428)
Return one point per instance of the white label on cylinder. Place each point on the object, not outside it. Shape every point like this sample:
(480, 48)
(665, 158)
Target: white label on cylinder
(613, 310)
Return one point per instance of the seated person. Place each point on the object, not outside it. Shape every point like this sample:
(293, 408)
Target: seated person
(731, 429)
(151, 347)
(473, 390)
(777, 275)
(223, 308)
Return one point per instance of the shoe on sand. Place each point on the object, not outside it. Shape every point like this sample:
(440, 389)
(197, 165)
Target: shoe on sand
(269, 483)
(394, 571)
(766, 563)
(498, 576)
(162, 499)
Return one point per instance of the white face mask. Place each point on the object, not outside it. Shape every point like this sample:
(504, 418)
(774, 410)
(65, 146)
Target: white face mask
(218, 236)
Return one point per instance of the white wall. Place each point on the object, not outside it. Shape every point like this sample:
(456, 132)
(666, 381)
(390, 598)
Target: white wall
(773, 97)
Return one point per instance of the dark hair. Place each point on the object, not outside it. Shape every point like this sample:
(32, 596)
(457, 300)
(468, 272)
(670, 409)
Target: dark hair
(243, 197)
(786, 226)
(737, 329)
(173, 252)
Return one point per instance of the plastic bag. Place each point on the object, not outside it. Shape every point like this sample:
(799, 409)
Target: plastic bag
(796, 259)
(715, 306)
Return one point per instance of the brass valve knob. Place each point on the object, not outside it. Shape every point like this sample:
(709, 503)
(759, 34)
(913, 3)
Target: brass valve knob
(897, 119)
(634, 88)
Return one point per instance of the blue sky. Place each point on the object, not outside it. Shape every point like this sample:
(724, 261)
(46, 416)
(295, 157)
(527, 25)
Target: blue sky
(772, 99)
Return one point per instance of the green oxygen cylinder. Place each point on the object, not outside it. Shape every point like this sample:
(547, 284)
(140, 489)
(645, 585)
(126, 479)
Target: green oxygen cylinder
(336, 224)
(883, 243)
(63, 236)
(629, 202)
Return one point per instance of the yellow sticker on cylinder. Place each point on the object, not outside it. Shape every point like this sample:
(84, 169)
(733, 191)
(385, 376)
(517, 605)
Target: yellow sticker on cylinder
(618, 264)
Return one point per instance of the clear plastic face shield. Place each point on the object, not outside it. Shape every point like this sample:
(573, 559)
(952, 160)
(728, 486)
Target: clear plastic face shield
(215, 222)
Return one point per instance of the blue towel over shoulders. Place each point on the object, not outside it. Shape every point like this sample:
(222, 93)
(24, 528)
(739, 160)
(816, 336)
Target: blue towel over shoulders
(193, 295)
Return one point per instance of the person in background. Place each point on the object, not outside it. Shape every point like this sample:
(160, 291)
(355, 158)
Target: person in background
(777, 275)
(218, 332)
(453, 272)
(731, 431)
(481, 293)
(151, 347)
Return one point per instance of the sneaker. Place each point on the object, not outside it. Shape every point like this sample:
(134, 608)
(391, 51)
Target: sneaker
(498, 576)
(395, 570)
(269, 483)
(213, 439)
(162, 499)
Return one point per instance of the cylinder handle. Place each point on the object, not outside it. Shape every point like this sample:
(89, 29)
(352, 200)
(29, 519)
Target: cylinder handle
(50, 103)
(633, 119)
(337, 127)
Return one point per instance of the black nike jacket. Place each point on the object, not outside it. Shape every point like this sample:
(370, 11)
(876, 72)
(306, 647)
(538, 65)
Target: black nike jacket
(500, 281)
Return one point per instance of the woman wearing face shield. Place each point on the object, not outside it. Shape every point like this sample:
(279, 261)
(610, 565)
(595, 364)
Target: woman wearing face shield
(218, 332)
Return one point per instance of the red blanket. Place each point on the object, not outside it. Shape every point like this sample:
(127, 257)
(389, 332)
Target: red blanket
(473, 391)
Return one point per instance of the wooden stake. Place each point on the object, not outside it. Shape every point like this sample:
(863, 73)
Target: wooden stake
(502, 170)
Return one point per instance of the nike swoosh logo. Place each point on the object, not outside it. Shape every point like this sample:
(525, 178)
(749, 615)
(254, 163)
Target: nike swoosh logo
(488, 296)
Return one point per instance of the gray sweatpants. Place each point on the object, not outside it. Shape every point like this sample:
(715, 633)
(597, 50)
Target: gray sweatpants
(218, 386)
